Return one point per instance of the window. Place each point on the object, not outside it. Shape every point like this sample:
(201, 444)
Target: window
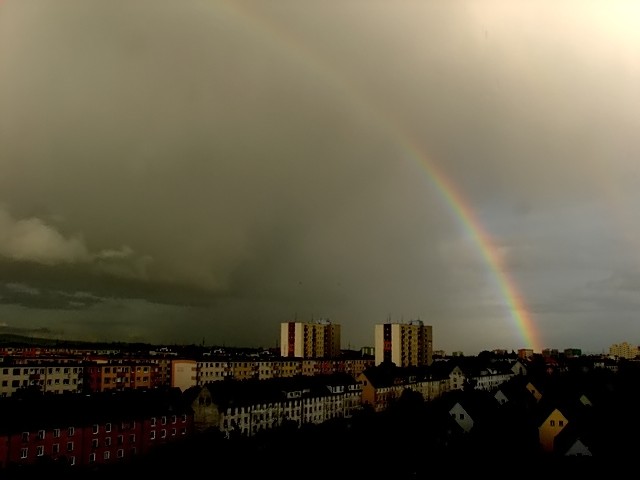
(173, 419)
(163, 434)
(184, 431)
(71, 432)
(107, 427)
(107, 455)
(95, 428)
(55, 448)
(24, 452)
(25, 436)
(184, 417)
(40, 450)
(94, 443)
(120, 453)
(107, 442)
(552, 423)
(120, 439)
(132, 438)
(164, 420)
(72, 460)
(153, 421)
(462, 416)
(560, 423)
(69, 446)
(92, 457)
(56, 433)
(173, 432)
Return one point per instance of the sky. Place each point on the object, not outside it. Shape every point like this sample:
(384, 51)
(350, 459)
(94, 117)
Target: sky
(201, 171)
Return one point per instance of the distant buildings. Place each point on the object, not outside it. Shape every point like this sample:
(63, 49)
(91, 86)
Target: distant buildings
(319, 339)
(624, 350)
(368, 351)
(524, 353)
(405, 344)
(572, 352)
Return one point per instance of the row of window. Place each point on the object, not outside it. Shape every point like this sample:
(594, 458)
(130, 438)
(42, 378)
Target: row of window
(55, 448)
(125, 380)
(41, 434)
(95, 443)
(55, 381)
(107, 427)
(41, 371)
(163, 433)
(24, 453)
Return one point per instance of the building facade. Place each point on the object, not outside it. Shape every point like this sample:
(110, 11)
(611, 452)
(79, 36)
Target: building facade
(245, 408)
(310, 340)
(405, 344)
(45, 377)
(90, 429)
(624, 350)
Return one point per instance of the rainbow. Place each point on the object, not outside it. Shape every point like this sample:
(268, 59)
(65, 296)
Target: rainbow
(462, 209)
(469, 221)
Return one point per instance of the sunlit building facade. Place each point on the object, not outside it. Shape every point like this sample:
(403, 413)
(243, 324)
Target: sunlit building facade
(310, 340)
(624, 350)
(405, 344)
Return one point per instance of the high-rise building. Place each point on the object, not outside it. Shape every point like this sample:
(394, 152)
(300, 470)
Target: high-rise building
(319, 339)
(405, 344)
(624, 350)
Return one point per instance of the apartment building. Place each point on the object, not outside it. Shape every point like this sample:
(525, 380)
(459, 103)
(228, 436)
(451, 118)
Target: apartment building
(244, 408)
(46, 377)
(624, 350)
(183, 373)
(404, 344)
(384, 384)
(119, 375)
(91, 429)
(319, 339)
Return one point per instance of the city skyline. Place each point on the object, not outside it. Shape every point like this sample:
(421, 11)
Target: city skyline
(177, 171)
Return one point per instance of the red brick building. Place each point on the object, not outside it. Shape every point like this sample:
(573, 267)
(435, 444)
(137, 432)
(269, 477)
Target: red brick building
(90, 429)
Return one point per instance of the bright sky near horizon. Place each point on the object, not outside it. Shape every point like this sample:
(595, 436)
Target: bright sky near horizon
(173, 172)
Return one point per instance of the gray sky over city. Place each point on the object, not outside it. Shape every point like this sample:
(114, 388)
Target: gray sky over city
(188, 171)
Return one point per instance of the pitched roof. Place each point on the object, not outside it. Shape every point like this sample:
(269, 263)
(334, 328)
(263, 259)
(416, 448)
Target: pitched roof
(385, 375)
(250, 392)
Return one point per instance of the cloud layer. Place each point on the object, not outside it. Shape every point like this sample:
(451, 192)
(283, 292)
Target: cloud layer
(173, 171)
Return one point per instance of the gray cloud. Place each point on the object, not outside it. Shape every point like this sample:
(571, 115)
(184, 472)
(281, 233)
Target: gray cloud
(32, 240)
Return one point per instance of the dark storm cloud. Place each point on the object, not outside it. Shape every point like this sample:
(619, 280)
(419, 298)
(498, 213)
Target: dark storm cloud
(198, 169)
(26, 296)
